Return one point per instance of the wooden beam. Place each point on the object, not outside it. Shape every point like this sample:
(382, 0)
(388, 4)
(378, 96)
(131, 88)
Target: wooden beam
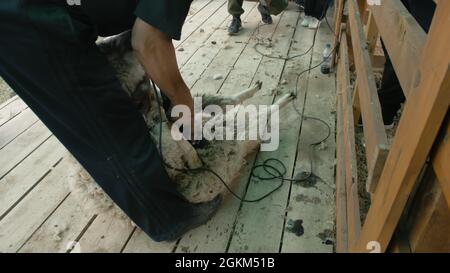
(441, 161)
(418, 127)
(338, 12)
(430, 221)
(351, 173)
(372, 35)
(341, 191)
(348, 214)
(343, 84)
(403, 37)
(356, 104)
(378, 62)
(374, 133)
(351, 58)
(371, 32)
(362, 6)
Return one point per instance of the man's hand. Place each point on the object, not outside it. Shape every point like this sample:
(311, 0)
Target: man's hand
(156, 53)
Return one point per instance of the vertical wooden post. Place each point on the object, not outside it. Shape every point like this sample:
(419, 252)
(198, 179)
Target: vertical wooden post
(423, 115)
(372, 35)
(338, 12)
(362, 4)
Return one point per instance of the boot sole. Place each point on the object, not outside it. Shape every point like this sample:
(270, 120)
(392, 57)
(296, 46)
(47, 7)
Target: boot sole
(235, 33)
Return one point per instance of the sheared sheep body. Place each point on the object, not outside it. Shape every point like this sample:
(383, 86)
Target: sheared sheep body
(226, 158)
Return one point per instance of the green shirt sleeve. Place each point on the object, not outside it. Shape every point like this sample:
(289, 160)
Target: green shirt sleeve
(165, 15)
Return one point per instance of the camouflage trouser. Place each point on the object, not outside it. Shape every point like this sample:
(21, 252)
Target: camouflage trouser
(275, 6)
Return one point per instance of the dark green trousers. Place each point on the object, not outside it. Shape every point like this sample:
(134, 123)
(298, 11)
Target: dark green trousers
(275, 6)
(235, 7)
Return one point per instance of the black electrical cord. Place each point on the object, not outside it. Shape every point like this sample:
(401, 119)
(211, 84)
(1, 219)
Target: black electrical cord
(294, 56)
(205, 169)
(271, 171)
(302, 113)
(279, 57)
(265, 165)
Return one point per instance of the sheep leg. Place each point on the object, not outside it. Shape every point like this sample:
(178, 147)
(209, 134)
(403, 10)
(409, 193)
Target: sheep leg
(282, 102)
(279, 104)
(248, 93)
(232, 100)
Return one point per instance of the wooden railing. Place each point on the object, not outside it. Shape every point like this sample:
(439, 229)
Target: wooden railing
(422, 64)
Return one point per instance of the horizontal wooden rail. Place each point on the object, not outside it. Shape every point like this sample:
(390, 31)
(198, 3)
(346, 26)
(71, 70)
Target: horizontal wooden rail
(342, 84)
(341, 191)
(351, 172)
(348, 214)
(377, 146)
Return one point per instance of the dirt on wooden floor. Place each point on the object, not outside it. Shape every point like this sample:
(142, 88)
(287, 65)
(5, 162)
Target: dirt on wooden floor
(5, 91)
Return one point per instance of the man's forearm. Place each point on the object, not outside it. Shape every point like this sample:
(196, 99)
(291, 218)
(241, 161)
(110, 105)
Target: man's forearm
(156, 53)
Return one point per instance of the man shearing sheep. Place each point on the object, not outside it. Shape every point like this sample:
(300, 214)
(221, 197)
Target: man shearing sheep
(49, 57)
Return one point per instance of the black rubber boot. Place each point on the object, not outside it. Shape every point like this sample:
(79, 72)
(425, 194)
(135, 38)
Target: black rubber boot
(201, 213)
(265, 14)
(235, 25)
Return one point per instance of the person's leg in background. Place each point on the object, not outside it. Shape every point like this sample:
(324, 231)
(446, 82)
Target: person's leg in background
(235, 9)
(315, 10)
(263, 8)
(390, 93)
(300, 4)
(50, 59)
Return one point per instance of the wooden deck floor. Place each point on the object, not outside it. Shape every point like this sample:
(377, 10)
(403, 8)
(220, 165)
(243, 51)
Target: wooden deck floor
(39, 214)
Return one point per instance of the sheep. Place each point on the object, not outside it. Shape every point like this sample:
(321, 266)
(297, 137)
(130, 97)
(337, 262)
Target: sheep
(225, 157)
